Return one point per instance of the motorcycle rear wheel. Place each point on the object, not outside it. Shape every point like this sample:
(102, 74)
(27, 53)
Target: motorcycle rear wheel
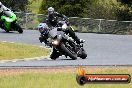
(19, 29)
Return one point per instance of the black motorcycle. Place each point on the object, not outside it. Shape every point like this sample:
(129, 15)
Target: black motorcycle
(64, 45)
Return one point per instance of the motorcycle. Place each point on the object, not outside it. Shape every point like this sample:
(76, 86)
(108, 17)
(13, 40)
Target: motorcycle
(64, 45)
(9, 20)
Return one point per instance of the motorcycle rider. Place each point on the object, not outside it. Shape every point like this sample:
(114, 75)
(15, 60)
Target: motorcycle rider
(44, 30)
(3, 10)
(52, 20)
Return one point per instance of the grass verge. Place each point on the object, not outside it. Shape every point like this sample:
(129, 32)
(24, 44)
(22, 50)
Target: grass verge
(56, 78)
(10, 51)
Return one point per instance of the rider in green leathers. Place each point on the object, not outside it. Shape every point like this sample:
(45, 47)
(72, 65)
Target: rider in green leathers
(3, 10)
(8, 20)
(5, 13)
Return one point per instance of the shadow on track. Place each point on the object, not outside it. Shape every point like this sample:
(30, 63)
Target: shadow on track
(65, 59)
(10, 32)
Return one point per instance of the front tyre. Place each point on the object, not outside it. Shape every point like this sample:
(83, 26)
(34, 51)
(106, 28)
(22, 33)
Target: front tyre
(83, 54)
(68, 52)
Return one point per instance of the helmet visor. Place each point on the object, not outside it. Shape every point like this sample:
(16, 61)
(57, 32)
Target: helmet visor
(51, 12)
(41, 30)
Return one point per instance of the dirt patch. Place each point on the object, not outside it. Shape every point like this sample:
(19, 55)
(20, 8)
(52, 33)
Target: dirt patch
(89, 69)
(14, 71)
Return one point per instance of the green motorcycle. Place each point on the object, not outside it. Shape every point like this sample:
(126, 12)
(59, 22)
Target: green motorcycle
(9, 20)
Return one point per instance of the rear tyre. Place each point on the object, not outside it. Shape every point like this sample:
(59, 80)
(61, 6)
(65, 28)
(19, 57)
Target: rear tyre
(19, 29)
(7, 31)
(67, 52)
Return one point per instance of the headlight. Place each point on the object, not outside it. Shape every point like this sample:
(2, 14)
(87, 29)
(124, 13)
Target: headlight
(55, 42)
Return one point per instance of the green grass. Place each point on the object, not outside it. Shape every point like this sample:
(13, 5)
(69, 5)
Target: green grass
(18, 50)
(37, 79)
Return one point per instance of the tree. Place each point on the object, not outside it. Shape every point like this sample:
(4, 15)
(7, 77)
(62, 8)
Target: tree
(125, 10)
(16, 5)
(67, 7)
(100, 9)
(125, 1)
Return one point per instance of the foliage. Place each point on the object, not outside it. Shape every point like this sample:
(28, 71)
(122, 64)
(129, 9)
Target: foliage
(125, 10)
(124, 13)
(101, 9)
(34, 6)
(125, 1)
(16, 5)
(67, 7)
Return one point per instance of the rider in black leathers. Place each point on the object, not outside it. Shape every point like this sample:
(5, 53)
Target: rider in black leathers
(52, 20)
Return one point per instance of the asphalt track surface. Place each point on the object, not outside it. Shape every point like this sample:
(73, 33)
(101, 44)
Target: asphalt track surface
(102, 49)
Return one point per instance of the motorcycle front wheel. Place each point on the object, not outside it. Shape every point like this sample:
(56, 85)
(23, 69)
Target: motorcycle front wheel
(68, 52)
(82, 53)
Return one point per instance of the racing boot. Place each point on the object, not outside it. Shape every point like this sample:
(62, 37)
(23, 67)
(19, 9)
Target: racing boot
(54, 55)
(79, 40)
(74, 36)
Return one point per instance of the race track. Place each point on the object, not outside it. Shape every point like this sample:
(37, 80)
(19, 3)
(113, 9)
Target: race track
(102, 49)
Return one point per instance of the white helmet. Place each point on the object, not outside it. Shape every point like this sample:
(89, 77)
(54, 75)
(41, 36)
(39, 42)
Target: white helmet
(1, 9)
(51, 10)
(43, 28)
(0, 3)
